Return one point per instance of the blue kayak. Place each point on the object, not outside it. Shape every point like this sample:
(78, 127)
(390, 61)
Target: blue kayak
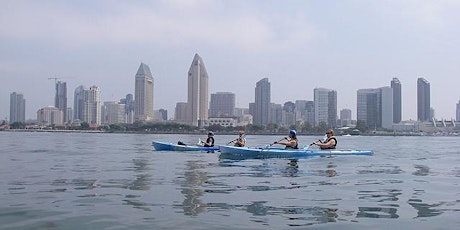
(231, 152)
(163, 146)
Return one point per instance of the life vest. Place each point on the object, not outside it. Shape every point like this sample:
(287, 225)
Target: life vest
(210, 139)
(327, 140)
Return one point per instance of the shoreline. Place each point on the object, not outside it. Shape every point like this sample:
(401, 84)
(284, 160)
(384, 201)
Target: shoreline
(223, 133)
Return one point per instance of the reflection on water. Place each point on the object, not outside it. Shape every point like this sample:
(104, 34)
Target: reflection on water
(425, 210)
(377, 212)
(191, 184)
(421, 170)
(118, 182)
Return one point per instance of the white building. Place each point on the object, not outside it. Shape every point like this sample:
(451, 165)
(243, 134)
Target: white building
(223, 121)
(114, 112)
(180, 113)
(197, 100)
(92, 105)
(50, 116)
(143, 94)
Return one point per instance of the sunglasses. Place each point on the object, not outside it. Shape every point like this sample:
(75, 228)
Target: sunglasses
(328, 133)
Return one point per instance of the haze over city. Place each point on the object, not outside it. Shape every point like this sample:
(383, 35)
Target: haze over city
(297, 45)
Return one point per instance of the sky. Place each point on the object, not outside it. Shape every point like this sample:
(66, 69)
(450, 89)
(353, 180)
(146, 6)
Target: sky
(297, 45)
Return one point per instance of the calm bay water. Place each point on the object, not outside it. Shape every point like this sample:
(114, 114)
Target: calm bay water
(116, 181)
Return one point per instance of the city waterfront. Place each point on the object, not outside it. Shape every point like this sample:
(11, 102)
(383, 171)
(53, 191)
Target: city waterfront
(116, 181)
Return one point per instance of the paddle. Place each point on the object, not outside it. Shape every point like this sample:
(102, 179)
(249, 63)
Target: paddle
(284, 138)
(306, 148)
(236, 139)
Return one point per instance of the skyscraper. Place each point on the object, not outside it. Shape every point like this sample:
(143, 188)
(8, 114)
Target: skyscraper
(222, 104)
(129, 108)
(325, 106)
(345, 117)
(375, 107)
(143, 94)
(458, 111)
(397, 100)
(180, 114)
(60, 99)
(197, 100)
(423, 100)
(17, 108)
(92, 105)
(262, 102)
(78, 103)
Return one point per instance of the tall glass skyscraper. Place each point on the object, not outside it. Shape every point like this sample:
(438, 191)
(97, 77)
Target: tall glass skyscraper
(198, 95)
(60, 99)
(261, 109)
(423, 100)
(222, 104)
(458, 111)
(397, 100)
(17, 108)
(78, 103)
(143, 94)
(325, 106)
(375, 107)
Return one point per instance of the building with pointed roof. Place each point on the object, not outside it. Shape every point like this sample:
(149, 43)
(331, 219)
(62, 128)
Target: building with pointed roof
(197, 99)
(143, 94)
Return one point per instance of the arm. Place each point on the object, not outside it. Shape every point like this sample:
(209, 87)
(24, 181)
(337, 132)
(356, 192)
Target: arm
(289, 142)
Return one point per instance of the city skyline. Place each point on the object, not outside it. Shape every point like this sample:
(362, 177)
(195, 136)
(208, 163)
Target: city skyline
(298, 45)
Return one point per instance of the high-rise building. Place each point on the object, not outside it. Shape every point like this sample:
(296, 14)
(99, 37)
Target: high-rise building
(262, 102)
(222, 104)
(163, 114)
(325, 106)
(423, 100)
(92, 105)
(114, 112)
(458, 111)
(60, 99)
(397, 100)
(143, 93)
(50, 116)
(197, 99)
(180, 114)
(129, 103)
(345, 117)
(375, 107)
(17, 108)
(69, 115)
(78, 103)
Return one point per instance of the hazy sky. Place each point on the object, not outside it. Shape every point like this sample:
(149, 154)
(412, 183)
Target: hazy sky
(297, 45)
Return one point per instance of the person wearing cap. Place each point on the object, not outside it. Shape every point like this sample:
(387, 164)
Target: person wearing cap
(210, 141)
(329, 143)
(291, 141)
(240, 141)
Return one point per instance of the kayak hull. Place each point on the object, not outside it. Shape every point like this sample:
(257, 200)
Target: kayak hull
(231, 152)
(164, 146)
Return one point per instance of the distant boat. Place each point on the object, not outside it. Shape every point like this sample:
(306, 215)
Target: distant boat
(347, 135)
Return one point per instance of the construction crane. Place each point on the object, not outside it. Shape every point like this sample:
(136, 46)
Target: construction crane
(55, 79)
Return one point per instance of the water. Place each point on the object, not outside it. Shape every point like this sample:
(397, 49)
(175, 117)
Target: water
(116, 181)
